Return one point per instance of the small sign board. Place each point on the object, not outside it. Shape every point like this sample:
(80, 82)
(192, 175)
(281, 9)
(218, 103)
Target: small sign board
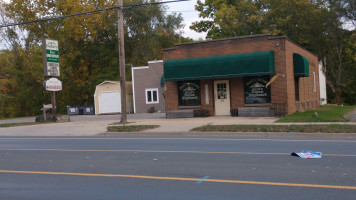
(52, 84)
(50, 57)
(47, 106)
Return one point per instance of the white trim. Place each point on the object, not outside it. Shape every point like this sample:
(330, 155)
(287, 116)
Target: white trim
(155, 61)
(144, 67)
(322, 85)
(113, 82)
(133, 89)
(151, 90)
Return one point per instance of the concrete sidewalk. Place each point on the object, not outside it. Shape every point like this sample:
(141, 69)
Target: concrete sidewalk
(352, 116)
(186, 124)
(90, 125)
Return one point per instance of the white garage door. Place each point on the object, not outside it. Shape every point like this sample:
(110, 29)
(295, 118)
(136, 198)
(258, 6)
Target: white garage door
(109, 102)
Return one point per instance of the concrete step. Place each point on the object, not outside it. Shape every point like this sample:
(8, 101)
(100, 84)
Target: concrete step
(187, 113)
(254, 112)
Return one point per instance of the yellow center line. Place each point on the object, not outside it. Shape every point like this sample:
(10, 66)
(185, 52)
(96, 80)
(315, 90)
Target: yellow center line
(156, 151)
(185, 179)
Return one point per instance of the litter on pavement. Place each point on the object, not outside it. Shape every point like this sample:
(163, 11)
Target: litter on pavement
(307, 154)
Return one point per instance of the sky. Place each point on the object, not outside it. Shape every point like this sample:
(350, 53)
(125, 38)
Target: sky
(189, 15)
(187, 8)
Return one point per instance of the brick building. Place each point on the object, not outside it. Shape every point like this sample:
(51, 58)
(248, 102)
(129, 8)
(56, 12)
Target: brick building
(230, 75)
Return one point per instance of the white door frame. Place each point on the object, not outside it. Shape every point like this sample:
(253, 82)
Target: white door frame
(222, 97)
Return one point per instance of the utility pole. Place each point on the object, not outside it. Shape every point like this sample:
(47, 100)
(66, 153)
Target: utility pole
(122, 61)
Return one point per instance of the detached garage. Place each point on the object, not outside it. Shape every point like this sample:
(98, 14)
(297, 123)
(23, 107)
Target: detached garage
(107, 98)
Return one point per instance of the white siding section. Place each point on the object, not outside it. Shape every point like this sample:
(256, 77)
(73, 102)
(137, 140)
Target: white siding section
(322, 83)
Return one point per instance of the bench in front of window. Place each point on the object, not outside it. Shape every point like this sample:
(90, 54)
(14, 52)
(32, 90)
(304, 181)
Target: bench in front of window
(186, 113)
(254, 112)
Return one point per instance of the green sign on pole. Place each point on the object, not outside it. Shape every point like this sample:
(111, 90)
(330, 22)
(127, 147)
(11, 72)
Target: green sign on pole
(50, 57)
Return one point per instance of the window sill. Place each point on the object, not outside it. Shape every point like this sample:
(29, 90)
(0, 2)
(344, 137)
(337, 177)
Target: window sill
(152, 103)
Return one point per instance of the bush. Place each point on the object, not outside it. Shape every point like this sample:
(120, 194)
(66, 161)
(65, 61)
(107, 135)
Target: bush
(201, 113)
(234, 112)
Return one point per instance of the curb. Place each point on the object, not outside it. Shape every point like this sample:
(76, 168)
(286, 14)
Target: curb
(236, 134)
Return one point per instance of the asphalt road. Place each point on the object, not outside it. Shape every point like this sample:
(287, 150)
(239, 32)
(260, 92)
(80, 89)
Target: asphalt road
(175, 168)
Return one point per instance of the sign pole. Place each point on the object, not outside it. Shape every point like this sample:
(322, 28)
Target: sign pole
(51, 69)
(53, 99)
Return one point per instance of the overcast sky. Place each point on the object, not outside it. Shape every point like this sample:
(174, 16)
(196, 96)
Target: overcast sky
(189, 14)
(187, 8)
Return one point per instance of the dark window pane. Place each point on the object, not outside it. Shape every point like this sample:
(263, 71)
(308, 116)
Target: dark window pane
(256, 91)
(149, 96)
(221, 90)
(154, 96)
(296, 82)
(189, 93)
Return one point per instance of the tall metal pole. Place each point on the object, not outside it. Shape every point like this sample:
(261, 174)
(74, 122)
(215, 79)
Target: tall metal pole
(122, 61)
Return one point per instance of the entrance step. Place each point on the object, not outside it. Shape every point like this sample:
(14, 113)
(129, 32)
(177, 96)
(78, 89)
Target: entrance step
(187, 113)
(254, 112)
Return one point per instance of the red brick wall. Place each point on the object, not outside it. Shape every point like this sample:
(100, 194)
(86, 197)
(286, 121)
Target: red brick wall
(308, 98)
(237, 93)
(282, 90)
(171, 95)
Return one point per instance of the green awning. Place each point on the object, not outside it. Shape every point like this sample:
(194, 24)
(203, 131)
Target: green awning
(226, 66)
(300, 65)
(162, 80)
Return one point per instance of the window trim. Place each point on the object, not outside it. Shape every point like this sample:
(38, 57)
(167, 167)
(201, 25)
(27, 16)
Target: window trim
(151, 90)
(314, 85)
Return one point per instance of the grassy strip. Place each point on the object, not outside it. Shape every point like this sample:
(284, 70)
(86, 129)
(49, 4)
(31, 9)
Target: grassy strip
(131, 128)
(120, 123)
(327, 113)
(332, 128)
(22, 124)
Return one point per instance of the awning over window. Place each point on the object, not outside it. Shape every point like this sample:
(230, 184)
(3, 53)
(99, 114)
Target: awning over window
(226, 66)
(301, 65)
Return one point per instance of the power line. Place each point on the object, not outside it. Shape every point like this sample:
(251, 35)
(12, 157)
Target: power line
(90, 13)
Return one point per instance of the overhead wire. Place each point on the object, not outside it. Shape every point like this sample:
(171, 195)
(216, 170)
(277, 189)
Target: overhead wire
(91, 12)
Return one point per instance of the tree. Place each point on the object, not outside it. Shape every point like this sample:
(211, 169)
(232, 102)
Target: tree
(316, 25)
(229, 18)
(87, 46)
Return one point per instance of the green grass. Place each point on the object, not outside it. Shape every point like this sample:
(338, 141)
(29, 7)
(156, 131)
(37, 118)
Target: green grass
(120, 123)
(22, 124)
(327, 113)
(332, 128)
(131, 128)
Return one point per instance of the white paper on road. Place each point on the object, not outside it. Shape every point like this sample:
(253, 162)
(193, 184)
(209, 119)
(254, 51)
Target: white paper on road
(307, 154)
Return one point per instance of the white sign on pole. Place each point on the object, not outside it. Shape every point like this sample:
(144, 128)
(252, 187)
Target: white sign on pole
(53, 84)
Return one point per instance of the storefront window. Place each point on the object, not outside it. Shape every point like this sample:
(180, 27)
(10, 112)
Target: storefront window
(256, 91)
(189, 93)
